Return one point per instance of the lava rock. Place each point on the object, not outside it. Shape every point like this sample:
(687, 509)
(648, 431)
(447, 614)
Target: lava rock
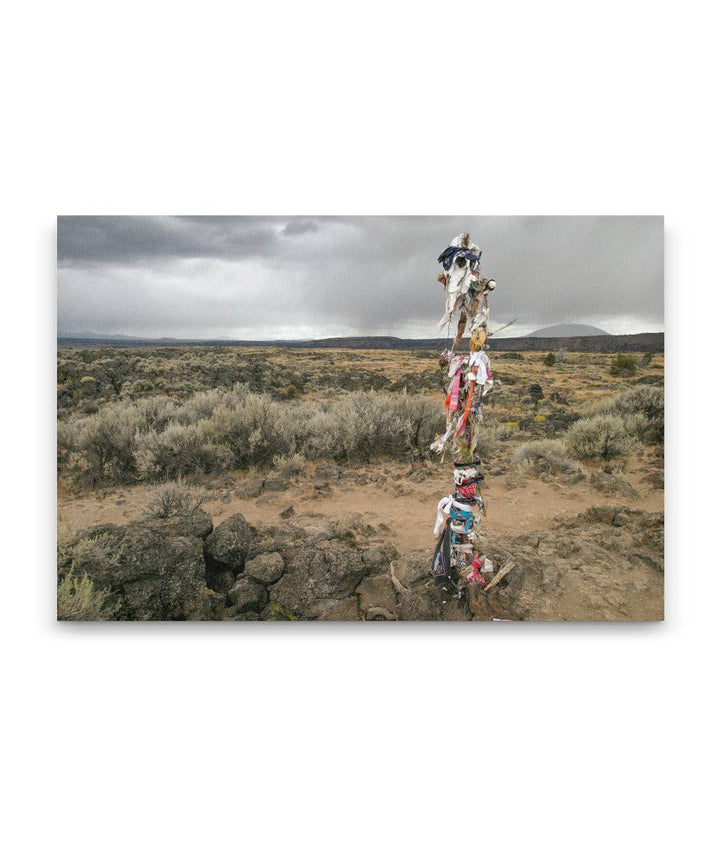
(413, 567)
(247, 595)
(195, 524)
(227, 547)
(377, 594)
(250, 489)
(612, 485)
(151, 576)
(266, 568)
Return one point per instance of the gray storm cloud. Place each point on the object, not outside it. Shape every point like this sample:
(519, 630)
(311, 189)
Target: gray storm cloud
(309, 277)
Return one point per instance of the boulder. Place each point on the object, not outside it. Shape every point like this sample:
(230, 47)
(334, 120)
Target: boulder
(151, 576)
(599, 514)
(194, 524)
(267, 568)
(338, 610)
(250, 489)
(247, 595)
(279, 539)
(611, 485)
(377, 558)
(234, 615)
(315, 572)
(656, 480)
(227, 547)
(413, 567)
(376, 596)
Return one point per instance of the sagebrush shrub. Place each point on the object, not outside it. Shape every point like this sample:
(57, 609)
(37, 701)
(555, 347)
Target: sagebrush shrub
(547, 456)
(79, 600)
(217, 430)
(642, 407)
(172, 499)
(600, 437)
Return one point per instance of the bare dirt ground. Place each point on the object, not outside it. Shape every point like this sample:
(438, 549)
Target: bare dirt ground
(514, 505)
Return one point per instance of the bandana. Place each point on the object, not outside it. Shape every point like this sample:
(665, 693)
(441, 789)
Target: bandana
(468, 490)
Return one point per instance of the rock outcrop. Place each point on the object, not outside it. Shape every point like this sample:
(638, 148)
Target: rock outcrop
(603, 564)
(151, 575)
(226, 549)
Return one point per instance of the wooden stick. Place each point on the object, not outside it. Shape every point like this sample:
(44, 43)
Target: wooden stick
(500, 574)
(503, 327)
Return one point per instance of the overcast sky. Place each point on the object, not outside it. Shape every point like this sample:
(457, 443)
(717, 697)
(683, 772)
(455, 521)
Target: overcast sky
(311, 277)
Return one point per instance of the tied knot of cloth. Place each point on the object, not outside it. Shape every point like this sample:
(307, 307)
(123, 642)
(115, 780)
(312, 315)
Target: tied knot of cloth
(448, 256)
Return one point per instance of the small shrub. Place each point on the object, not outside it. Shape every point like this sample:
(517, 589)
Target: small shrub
(173, 499)
(547, 456)
(179, 450)
(506, 430)
(623, 365)
(600, 437)
(549, 359)
(79, 600)
(647, 358)
(289, 465)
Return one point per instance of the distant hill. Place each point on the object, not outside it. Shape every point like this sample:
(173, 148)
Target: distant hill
(595, 343)
(564, 330)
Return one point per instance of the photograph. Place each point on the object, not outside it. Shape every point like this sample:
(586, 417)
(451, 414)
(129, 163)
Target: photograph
(359, 398)
(360, 418)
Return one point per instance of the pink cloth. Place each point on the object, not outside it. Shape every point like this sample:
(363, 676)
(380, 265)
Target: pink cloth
(455, 391)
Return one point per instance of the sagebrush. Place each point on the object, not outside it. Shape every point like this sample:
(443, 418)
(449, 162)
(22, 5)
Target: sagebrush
(218, 430)
(600, 437)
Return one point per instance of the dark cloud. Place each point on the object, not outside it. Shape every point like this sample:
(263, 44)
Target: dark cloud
(315, 276)
(300, 227)
(137, 240)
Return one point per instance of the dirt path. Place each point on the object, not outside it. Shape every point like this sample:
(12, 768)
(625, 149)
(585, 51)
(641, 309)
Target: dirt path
(514, 505)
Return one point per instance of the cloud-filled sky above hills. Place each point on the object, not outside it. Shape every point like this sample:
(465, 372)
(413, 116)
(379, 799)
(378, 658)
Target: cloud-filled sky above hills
(312, 277)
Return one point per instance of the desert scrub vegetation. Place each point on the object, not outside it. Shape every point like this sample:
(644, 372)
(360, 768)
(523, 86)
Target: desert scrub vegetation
(601, 437)
(173, 499)
(547, 456)
(79, 600)
(623, 365)
(218, 430)
(89, 378)
(642, 408)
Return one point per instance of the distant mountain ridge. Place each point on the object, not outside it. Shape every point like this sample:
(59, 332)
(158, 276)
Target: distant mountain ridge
(595, 343)
(565, 330)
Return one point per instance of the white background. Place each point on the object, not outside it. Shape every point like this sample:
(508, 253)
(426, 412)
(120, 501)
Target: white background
(499, 738)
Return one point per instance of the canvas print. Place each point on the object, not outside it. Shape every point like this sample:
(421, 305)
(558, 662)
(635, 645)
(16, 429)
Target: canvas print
(360, 418)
